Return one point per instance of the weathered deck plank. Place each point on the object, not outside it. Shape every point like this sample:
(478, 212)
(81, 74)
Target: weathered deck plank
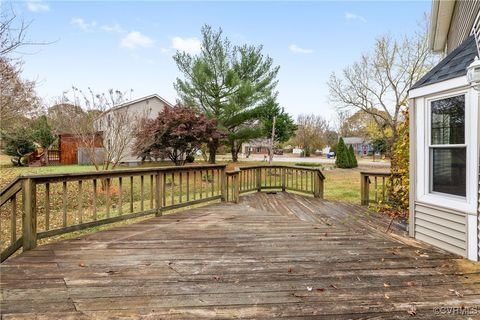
(270, 256)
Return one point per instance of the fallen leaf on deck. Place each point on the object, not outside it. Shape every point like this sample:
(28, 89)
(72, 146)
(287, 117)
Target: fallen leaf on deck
(81, 265)
(333, 286)
(412, 311)
(321, 289)
(386, 284)
(309, 288)
(411, 283)
(290, 270)
(387, 296)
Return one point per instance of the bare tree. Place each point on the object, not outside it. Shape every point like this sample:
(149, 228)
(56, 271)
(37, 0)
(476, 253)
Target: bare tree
(102, 119)
(378, 84)
(18, 100)
(310, 134)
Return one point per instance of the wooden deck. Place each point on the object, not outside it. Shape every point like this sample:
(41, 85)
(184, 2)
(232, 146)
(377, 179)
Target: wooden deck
(270, 256)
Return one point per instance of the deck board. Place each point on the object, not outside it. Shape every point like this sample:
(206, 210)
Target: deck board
(257, 259)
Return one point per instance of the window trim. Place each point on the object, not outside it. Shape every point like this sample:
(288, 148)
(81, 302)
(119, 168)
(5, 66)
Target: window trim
(467, 204)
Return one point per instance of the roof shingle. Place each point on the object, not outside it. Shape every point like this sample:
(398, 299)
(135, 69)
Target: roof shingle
(452, 66)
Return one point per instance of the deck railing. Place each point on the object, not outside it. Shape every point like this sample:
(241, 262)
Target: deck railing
(34, 207)
(374, 187)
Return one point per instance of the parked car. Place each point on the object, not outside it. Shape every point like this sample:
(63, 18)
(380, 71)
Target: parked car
(330, 155)
(278, 152)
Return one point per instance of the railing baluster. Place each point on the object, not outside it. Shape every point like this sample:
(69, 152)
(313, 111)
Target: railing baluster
(376, 190)
(201, 185)
(131, 194)
(94, 199)
(151, 191)
(142, 196)
(164, 190)
(194, 191)
(180, 182)
(13, 222)
(172, 188)
(80, 201)
(108, 197)
(213, 183)
(65, 199)
(120, 196)
(47, 206)
(187, 186)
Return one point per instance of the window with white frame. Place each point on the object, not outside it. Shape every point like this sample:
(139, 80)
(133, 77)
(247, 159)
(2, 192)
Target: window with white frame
(448, 148)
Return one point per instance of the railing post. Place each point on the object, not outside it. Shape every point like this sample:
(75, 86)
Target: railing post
(236, 187)
(364, 189)
(259, 179)
(283, 172)
(318, 191)
(160, 189)
(29, 217)
(223, 185)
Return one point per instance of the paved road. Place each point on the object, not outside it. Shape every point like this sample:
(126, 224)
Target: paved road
(362, 162)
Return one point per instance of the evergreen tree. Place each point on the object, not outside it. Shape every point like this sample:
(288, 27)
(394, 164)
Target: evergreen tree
(353, 158)
(18, 145)
(230, 84)
(42, 134)
(342, 160)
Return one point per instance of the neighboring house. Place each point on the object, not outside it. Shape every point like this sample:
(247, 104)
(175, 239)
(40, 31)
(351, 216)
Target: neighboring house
(444, 135)
(360, 146)
(134, 111)
(256, 146)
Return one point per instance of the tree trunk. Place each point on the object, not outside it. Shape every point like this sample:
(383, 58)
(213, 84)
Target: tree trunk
(46, 157)
(234, 151)
(212, 150)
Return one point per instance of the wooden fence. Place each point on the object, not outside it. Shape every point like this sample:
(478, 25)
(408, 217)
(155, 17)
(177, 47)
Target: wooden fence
(374, 187)
(34, 207)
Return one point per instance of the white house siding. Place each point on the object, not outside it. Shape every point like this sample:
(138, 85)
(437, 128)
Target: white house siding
(463, 18)
(148, 107)
(444, 228)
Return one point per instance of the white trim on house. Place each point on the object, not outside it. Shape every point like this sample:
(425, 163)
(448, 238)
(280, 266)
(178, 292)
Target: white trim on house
(442, 12)
(467, 204)
(439, 87)
(472, 237)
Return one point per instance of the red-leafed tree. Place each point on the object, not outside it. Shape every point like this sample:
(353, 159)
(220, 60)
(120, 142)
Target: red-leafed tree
(177, 133)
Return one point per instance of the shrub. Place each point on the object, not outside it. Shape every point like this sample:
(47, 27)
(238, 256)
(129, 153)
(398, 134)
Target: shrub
(342, 160)
(190, 158)
(352, 157)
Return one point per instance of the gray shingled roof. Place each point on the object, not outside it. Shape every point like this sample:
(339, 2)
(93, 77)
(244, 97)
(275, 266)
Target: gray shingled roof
(452, 66)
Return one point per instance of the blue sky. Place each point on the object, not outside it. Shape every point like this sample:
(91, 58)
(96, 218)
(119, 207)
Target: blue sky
(129, 45)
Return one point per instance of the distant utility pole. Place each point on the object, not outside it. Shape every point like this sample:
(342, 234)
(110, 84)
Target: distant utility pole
(272, 141)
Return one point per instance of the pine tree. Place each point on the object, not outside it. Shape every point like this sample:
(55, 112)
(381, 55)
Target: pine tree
(353, 159)
(342, 160)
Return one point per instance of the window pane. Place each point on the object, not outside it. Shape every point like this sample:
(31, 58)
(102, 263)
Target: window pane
(448, 120)
(449, 170)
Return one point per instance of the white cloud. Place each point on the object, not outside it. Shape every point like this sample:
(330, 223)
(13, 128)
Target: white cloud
(354, 16)
(297, 49)
(136, 39)
(164, 50)
(115, 28)
(82, 24)
(37, 6)
(188, 45)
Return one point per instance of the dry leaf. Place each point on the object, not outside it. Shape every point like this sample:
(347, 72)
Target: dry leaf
(81, 264)
(333, 286)
(386, 284)
(290, 270)
(386, 296)
(309, 288)
(321, 289)
(411, 283)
